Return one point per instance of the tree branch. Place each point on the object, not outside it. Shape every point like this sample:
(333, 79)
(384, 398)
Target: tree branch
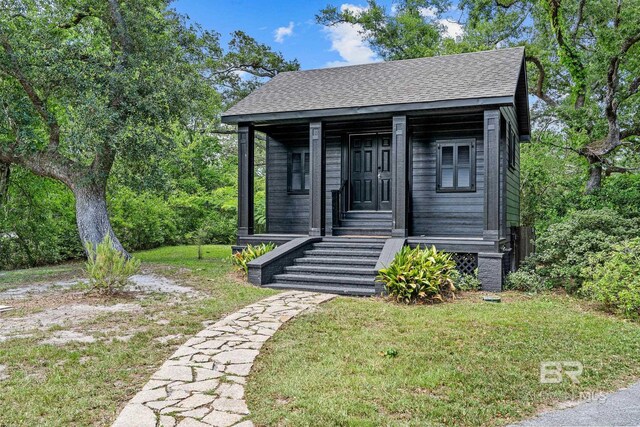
(539, 91)
(38, 103)
(568, 55)
(5, 173)
(579, 19)
(77, 18)
(608, 170)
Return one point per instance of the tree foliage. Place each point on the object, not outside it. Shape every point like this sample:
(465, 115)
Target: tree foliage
(104, 93)
(583, 61)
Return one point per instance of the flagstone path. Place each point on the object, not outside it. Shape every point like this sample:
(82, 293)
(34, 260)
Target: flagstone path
(202, 384)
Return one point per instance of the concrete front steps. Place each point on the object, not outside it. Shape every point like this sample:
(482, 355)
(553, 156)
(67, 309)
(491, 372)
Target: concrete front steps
(335, 265)
(364, 223)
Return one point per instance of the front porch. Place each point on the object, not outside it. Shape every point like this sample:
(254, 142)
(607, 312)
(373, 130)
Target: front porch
(368, 183)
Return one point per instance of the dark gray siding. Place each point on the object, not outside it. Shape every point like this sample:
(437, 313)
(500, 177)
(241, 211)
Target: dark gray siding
(333, 156)
(444, 214)
(513, 175)
(286, 213)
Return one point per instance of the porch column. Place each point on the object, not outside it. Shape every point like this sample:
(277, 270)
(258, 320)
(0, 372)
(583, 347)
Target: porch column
(400, 156)
(490, 263)
(317, 202)
(246, 144)
(492, 175)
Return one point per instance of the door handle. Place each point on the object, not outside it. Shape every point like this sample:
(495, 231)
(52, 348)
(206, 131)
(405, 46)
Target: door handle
(379, 175)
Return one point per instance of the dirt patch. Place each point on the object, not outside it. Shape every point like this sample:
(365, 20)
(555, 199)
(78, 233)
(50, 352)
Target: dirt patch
(25, 291)
(67, 315)
(37, 308)
(154, 283)
(140, 283)
(64, 337)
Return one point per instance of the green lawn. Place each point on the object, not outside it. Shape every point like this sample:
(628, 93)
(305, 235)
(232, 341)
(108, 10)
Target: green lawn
(86, 384)
(466, 363)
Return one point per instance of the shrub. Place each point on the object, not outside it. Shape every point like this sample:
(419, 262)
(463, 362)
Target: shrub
(526, 281)
(467, 282)
(615, 279)
(142, 220)
(108, 269)
(251, 252)
(563, 250)
(419, 275)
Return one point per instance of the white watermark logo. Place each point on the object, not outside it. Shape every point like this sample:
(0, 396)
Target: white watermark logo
(554, 372)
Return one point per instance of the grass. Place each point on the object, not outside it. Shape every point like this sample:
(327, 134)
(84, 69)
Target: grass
(87, 384)
(352, 362)
(466, 363)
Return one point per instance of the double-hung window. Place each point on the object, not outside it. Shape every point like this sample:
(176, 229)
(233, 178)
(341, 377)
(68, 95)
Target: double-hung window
(298, 171)
(456, 165)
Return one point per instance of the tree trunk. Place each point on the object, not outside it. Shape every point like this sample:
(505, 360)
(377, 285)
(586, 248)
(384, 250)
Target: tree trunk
(92, 218)
(5, 171)
(595, 176)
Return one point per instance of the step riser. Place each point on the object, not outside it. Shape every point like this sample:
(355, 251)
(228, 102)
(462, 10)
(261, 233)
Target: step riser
(330, 271)
(339, 264)
(350, 246)
(367, 215)
(339, 231)
(362, 291)
(356, 223)
(326, 280)
(344, 255)
(347, 243)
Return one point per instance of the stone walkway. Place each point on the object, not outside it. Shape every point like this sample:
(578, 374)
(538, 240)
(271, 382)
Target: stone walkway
(202, 384)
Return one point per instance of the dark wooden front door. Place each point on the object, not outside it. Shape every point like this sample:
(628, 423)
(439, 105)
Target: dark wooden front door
(370, 172)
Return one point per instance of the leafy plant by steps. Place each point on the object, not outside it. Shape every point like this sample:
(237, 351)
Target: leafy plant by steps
(251, 252)
(420, 275)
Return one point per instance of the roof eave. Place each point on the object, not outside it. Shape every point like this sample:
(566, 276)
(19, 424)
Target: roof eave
(374, 109)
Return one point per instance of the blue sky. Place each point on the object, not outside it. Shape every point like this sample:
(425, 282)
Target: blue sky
(288, 26)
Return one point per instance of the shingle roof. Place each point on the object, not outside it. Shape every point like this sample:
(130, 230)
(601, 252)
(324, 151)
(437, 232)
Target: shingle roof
(466, 76)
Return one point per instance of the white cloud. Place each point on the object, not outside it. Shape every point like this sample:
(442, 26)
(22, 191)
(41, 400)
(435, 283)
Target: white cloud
(452, 29)
(347, 40)
(281, 32)
(427, 12)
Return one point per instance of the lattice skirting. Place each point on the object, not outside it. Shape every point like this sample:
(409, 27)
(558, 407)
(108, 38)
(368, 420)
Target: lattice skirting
(466, 263)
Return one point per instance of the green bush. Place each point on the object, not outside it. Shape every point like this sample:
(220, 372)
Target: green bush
(526, 281)
(563, 251)
(420, 275)
(615, 279)
(108, 269)
(37, 222)
(251, 252)
(142, 220)
(466, 282)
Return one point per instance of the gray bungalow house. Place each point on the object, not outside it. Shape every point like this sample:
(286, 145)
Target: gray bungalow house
(361, 160)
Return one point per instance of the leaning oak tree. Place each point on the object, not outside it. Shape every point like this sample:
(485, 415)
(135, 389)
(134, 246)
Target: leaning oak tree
(83, 82)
